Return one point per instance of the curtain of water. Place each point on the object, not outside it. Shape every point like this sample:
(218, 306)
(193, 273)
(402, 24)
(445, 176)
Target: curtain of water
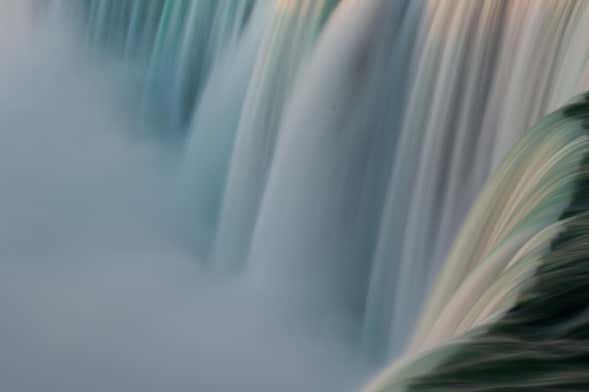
(491, 75)
(319, 217)
(284, 49)
(511, 295)
(334, 147)
(243, 102)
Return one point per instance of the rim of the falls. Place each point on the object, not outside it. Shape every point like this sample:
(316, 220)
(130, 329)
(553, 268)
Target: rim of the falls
(494, 307)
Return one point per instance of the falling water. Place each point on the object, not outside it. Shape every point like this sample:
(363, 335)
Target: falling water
(511, 292)
(319, 218)
(228, 180)
(459, 121)
(285, 47)
(326, 153)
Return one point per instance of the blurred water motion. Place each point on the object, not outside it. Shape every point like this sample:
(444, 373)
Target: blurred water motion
(294, 171)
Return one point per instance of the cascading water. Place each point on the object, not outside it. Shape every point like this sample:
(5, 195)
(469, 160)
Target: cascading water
(461, 116)
(321, 157)
(319, 217)
(244, 137)
(509, 309)
(286, 45)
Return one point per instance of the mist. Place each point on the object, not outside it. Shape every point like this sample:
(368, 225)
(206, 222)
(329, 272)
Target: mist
(99, 288)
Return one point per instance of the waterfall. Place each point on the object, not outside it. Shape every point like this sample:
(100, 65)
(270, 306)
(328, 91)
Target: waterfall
(340, 149)
(501, 299)
(365, 157)
(318, 219)
(447, 146)
(212, 132)
(236, 123)
(286, 46)
(180, 59)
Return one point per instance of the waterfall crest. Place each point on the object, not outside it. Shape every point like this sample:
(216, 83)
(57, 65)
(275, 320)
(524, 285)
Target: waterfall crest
(511, 293)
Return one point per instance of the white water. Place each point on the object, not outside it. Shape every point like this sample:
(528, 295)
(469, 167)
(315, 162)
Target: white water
(98, 289)
(493, 75)
(325, 158)
(285, 49)
(318, 220)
